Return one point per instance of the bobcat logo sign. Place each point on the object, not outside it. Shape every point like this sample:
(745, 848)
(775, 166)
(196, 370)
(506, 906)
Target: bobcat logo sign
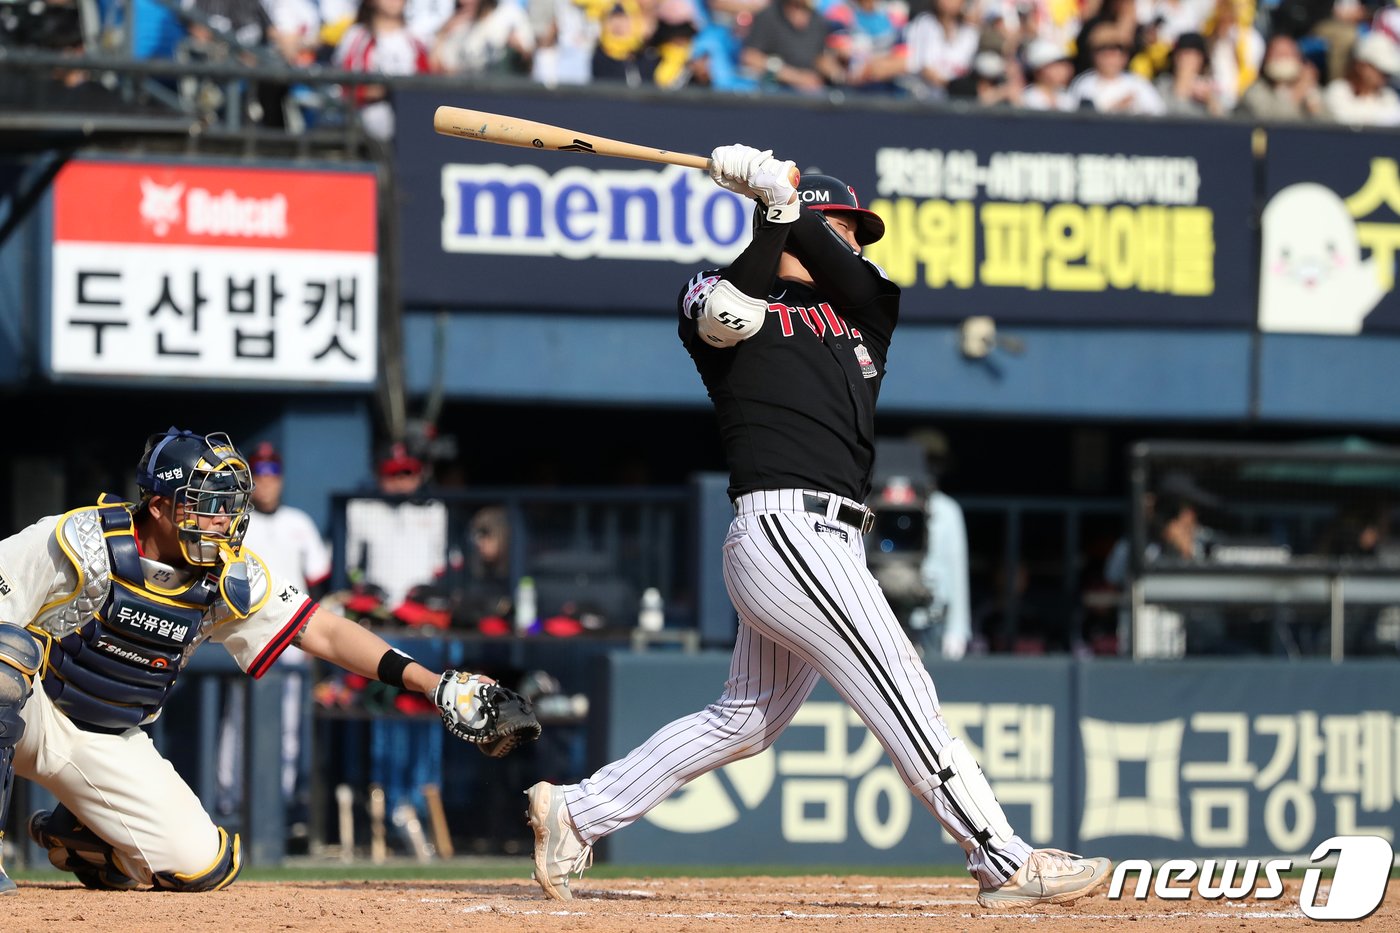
(160, 205)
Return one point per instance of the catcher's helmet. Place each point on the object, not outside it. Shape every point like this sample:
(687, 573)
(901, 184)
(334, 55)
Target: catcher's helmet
(825, 193)
(208, 477)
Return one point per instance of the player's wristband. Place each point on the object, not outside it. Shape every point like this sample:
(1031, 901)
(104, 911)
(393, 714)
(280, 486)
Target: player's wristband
(392, 666)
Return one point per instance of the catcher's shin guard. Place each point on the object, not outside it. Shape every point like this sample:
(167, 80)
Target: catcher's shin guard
(7, 779)
(75, 848)
(220, 874)
(20, 659)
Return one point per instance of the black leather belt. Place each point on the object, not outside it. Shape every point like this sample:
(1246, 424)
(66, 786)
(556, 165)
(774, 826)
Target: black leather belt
(857, 516)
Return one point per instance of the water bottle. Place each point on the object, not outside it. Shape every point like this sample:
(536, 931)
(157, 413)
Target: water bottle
(651, 618)
(524, 605)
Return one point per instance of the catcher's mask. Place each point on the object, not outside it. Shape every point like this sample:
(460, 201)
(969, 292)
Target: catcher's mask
(208, 483)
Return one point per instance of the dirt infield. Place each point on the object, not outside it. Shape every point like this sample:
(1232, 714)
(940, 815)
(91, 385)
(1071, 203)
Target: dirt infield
(708, 905)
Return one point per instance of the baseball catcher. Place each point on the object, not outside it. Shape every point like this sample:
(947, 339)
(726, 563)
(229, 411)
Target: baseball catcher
(101, 608)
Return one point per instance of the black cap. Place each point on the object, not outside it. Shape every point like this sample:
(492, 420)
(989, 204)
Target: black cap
(824, 193)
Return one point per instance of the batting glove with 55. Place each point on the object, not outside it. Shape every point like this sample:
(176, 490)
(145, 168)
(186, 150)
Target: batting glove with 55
(730, 167)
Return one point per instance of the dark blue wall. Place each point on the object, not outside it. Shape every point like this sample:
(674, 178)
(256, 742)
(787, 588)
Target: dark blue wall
(1203, 758)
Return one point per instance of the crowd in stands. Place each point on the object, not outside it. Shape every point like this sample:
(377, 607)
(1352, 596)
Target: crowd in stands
(1266, 59)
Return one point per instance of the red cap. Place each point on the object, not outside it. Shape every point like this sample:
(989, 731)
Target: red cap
(265, 460)
(399, 461)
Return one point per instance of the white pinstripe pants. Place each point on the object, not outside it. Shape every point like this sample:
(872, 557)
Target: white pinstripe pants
(808, 607)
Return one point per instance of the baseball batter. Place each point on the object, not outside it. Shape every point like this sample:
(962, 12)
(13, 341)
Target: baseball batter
(100, 608)
(791, 341)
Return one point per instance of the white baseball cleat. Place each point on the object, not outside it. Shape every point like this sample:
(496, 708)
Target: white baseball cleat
(559, 852)
(1049, 876)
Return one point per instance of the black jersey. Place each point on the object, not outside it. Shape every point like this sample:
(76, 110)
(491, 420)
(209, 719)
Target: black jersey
(796, 401)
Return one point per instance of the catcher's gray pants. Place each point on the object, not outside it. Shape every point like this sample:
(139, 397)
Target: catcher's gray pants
(808, 607)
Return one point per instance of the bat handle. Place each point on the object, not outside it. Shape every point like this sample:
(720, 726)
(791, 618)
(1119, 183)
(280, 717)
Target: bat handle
(794, 176)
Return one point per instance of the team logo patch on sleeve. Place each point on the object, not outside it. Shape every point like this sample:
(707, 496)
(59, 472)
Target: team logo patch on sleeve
(867, 365)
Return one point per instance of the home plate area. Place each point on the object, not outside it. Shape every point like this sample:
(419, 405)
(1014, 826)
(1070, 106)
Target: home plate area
(636, 904)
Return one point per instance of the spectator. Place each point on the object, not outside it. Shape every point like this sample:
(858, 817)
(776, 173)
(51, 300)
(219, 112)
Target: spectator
(564, 41)
(426, 18)
(1236, 49)
(296, 30)
(398, 542)
(380, 42)
(714, 60)
(398, 539)
(989, 84)
(787, 45)
(1120, 14)
(1050, 69)
(285, 537)
(1187, 87)
(1173, 18)
(487, 599)
(1364, 97)
(1340, 31)
(869, 43)
(677, 24)
(1108, 87)
(1056, 21)
(220, 30)
(1387, 21)
(485, 36)
(156, 28)
(337, 16)
(290, 544)
(241, 23)
(1287, 88)
(622, 53)
(945, 566)
(1001, 30)
(942, 45)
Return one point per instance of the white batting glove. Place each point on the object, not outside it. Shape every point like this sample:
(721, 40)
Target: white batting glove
(730, 167)
(771, 181)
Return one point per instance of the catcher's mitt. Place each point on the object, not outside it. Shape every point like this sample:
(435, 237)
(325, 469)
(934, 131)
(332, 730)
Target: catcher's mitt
(491, 717)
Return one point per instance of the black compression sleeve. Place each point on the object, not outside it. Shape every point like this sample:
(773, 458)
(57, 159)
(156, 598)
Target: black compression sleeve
(756, 267)
(836, 269)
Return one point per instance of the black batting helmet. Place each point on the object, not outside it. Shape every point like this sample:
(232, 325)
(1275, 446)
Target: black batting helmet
(825, 193)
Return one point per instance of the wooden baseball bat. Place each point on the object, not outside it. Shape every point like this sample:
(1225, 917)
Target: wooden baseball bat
(344, 799)
(406, 819)
(378, 842)
(437, 816)
(528, 134)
